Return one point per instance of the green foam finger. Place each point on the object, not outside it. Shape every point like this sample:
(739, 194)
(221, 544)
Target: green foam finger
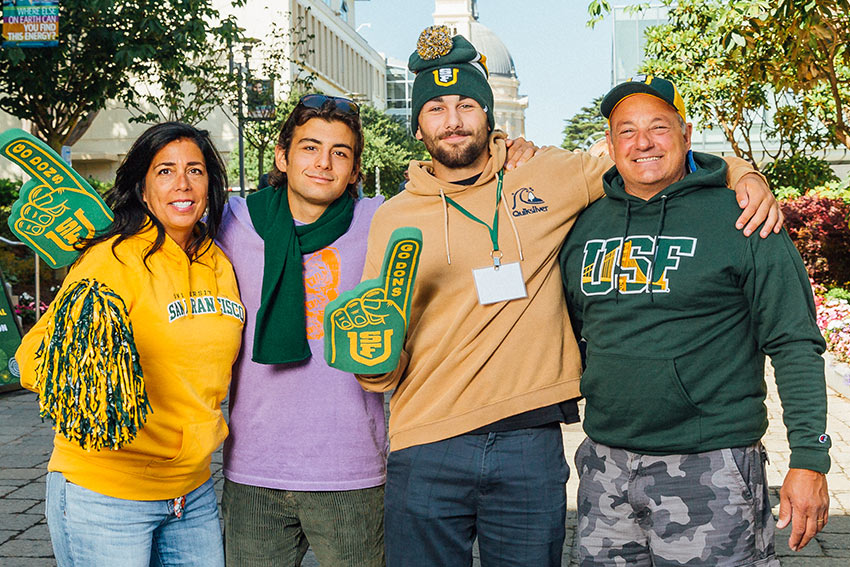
(401, 261)
(57, 207)
(365, 327)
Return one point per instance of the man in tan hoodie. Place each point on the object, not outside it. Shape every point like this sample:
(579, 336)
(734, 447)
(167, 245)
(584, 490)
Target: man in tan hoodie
(490, 366)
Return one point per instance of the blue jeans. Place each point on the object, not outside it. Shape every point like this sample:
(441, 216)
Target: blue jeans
(508, 489)
(88, 529)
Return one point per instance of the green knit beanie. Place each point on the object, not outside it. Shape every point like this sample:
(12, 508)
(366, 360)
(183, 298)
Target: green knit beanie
(446, 65)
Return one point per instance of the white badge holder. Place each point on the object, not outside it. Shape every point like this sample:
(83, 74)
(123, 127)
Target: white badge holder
(499, 282)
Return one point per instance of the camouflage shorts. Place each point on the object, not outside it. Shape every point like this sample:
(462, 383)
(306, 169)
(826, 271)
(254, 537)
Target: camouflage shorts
(708, 508)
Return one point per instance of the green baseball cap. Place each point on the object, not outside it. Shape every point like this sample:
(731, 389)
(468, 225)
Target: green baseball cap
(446, 65)
(643, 84)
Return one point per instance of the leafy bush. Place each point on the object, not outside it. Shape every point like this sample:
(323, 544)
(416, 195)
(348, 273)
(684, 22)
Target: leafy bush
(786, 193)
(100, 186)
(389, 147)
(834, 190)
(838, 293)
(8, 191)
(819, 228)
(799, 171)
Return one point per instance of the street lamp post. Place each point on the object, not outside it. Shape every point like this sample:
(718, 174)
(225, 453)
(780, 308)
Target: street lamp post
(243, 72)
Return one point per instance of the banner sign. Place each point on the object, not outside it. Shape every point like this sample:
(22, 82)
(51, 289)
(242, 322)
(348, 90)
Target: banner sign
(10, 339)
(57, 207)
(365, 327)
(30, 23)
(260, 99)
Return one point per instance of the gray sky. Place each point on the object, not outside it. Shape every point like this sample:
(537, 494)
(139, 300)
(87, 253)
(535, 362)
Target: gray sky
(562, 64)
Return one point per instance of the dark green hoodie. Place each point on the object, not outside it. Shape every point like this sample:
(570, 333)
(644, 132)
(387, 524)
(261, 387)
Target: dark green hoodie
(676, 365)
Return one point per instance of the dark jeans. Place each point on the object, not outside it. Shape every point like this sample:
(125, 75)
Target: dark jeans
(506, 488)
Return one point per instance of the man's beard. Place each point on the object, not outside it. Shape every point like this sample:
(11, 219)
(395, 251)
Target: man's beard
(461, 155)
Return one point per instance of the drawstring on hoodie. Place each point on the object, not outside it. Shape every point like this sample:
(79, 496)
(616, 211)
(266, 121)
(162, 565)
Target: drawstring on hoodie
(214, 269)
(188, 294)
(658, 230)
(187, 290)
(446, 225)
(513, 226)
(619, 260)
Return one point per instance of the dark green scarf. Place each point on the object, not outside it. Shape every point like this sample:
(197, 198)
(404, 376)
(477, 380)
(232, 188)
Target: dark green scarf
(280, 333)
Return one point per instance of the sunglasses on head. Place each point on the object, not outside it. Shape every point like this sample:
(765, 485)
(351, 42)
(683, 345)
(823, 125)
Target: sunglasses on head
(344, 105)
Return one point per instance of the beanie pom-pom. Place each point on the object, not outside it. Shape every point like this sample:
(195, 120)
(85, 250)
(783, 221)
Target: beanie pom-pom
(88, 375)
(434, 41)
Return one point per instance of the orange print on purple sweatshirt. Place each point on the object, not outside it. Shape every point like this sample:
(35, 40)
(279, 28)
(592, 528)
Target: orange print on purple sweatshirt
(321, 285)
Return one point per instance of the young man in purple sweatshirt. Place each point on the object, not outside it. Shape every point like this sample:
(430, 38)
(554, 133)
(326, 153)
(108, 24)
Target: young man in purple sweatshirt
(304, 464)
(305, 460)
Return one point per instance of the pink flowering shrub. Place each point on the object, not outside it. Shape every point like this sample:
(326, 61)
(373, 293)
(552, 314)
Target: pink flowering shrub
(25, 309)
(834, 322)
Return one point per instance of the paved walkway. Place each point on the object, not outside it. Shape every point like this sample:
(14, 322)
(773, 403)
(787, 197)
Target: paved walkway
(25, 445)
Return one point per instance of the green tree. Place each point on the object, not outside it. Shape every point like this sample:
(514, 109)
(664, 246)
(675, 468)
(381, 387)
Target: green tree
(716, 88)
(261, 138)
(287, 53)
(807, 45)
(585, 128)
(105, 48)
(795, 51)
(388, 148)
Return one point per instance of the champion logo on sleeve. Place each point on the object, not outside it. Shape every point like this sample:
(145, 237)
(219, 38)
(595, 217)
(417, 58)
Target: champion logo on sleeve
(824, 438)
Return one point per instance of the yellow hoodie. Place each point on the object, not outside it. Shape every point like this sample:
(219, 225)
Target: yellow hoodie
(187, 323)
(467, 365)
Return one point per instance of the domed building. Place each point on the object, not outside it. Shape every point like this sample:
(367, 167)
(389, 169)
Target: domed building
(461, 17)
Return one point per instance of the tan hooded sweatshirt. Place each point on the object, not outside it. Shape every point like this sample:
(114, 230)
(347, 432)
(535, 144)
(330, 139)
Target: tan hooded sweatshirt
(467, 365)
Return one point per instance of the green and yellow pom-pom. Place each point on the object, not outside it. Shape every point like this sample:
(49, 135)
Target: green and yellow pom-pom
(88, 376)
(434, 41)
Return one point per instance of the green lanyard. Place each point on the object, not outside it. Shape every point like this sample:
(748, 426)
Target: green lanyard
(494, 230)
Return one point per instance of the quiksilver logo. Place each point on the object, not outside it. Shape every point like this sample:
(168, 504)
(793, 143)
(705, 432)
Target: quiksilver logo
(527, 203)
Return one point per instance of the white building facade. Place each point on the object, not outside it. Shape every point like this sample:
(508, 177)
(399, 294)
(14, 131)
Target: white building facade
(461, 17)
(341, 61)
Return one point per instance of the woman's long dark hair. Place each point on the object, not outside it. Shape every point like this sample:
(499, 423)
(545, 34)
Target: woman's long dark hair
(126, 196)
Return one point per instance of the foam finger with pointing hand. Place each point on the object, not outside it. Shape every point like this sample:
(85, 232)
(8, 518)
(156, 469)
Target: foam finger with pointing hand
(57, 207)
(365, 327)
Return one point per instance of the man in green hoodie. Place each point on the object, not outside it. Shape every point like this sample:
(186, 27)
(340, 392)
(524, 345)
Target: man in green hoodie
(679, 310)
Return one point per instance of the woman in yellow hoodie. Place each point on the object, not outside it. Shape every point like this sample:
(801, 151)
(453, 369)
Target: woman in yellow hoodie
(151, 501)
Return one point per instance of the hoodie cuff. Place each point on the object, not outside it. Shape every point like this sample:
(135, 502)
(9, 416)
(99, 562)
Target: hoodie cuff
(812, 459)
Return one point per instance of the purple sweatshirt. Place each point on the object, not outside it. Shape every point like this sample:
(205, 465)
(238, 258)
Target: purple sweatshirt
(302, 426)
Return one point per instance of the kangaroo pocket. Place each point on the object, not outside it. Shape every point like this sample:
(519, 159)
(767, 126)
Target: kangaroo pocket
(198, 443)
(638, 404)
